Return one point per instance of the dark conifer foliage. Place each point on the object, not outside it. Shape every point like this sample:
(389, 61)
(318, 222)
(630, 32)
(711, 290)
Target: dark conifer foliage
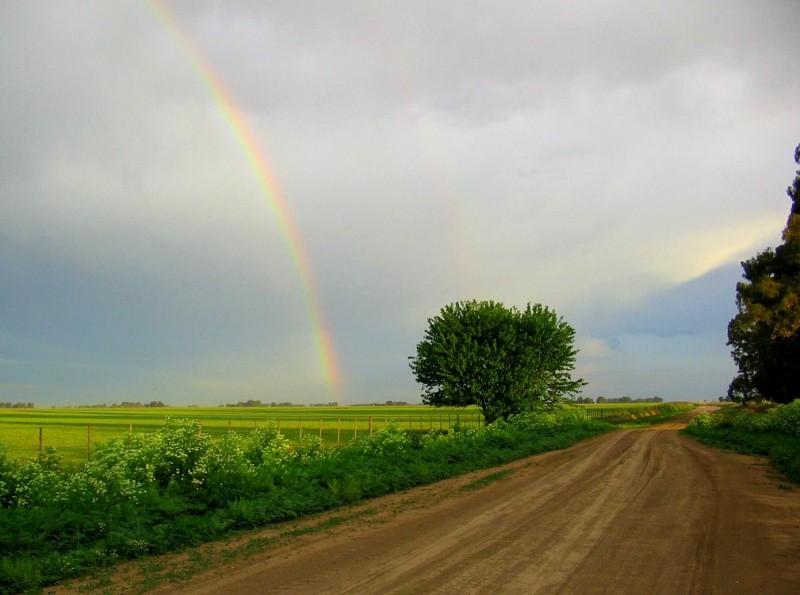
(765, 334)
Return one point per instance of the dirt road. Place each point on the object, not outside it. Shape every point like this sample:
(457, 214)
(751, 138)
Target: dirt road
(634, 511)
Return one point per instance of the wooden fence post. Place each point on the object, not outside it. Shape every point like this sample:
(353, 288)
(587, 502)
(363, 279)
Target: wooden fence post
(40, 444)
(320, 429)
(301, 428)
(370, 425)
(88, 442)
(338, 430)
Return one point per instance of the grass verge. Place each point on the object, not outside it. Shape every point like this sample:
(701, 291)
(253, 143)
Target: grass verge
(772, 431)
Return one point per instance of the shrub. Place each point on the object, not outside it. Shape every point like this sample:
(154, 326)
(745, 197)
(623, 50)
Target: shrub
(267, 446)
(702, 420)
(223, 471)
(787, 418)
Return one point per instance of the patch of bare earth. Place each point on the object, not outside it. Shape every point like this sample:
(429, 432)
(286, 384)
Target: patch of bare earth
(633, 511)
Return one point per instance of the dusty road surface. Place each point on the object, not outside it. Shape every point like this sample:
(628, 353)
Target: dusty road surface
(633, 511)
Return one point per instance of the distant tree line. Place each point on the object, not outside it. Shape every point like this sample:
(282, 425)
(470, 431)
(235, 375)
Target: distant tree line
(139, 404)
(601, 400)
(258, 403)
(8, 405)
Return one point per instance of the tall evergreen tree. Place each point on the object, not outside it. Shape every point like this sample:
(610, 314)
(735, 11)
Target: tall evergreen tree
(765, 334)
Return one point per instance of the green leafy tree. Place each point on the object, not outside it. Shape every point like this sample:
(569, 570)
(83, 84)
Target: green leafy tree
(501, 359)
(765, 334)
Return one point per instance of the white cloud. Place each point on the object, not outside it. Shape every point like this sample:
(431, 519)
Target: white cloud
(593, 348)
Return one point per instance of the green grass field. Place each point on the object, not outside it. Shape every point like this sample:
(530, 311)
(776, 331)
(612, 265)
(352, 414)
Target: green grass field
(616, 412)
(74, 432)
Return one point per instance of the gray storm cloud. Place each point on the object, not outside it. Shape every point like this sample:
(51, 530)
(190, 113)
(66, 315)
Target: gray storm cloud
(612, 160)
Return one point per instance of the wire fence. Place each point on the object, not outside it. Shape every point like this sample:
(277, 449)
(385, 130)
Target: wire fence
(611, 413)
(77, 442)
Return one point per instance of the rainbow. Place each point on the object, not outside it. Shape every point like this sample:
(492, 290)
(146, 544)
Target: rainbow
(246, 139)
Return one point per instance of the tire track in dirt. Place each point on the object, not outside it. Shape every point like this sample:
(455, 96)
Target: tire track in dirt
(633, 511)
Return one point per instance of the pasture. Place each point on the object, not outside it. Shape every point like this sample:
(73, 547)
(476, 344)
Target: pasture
(74, 432)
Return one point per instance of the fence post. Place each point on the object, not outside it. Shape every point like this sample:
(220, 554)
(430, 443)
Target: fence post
(88, 442)
(40, 444)
(370, 425)
(279, 427)
(355, 427)
(229, 426)
(130, 428)
(301, 428)
(320, 429)
(338, 430)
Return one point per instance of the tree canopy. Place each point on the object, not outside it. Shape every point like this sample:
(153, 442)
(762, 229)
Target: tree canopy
(765, 334)
(501, 359)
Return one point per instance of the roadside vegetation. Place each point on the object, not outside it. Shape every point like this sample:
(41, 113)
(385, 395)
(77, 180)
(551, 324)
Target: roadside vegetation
(758, 429)
(636, 415)
(150, 493)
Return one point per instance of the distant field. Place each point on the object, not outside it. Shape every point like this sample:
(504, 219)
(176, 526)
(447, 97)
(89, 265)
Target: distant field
(611, 411)
(76, 431)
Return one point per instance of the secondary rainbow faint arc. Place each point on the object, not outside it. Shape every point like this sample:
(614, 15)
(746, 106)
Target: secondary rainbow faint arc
(267, 183)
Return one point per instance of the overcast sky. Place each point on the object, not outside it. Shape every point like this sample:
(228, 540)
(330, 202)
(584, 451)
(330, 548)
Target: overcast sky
(612, 160)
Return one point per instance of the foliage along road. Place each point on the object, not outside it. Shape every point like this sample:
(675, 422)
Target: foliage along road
(633, 511)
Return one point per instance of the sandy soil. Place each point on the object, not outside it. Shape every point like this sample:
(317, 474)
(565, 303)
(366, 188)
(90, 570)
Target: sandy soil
(633, 511)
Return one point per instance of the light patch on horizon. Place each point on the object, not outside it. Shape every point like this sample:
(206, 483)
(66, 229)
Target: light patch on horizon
(695, 254)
